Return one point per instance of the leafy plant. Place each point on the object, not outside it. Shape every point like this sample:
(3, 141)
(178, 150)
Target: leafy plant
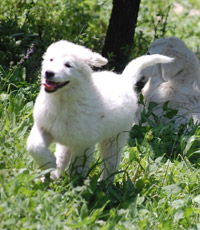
(26, 25)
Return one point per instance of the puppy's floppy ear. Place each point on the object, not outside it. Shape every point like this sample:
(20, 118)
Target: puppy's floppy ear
(96, 59)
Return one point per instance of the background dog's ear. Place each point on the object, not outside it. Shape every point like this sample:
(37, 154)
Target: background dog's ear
(96, 59)
(169, 70)
(185, 67)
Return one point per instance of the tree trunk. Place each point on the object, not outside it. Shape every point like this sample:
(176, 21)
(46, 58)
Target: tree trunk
(120, 33)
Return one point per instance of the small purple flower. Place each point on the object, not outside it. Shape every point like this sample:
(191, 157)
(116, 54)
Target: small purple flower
(28, 53)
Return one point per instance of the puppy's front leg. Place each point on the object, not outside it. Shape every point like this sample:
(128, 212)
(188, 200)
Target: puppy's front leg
(62, 159)
(37, 145)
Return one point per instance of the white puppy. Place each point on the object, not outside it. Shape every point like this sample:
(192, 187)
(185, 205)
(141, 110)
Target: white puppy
(177, 82)
(77, 108)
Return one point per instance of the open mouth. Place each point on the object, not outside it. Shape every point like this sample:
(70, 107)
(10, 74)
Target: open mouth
(51, 86)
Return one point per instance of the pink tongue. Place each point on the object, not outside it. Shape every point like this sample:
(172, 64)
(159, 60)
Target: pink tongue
(49, 85)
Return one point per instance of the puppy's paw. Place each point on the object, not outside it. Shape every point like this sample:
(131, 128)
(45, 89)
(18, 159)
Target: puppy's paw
(55, 175)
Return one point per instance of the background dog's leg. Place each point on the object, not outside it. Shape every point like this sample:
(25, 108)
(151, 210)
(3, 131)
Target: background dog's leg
(37, 145)
(80, 164)
(111, 151)
(62, 155)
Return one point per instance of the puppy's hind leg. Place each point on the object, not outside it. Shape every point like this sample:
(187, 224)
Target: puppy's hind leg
(62, 155)
(111, 151)
(80, 161)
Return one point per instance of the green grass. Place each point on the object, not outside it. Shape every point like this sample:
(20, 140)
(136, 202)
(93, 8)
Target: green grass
(157, 186)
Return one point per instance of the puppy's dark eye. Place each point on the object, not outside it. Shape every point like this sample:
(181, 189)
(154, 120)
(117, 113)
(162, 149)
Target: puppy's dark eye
(51, 59)
(148, 53)
(67, 64)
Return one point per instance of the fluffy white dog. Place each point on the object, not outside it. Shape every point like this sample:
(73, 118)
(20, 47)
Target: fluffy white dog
(77, 108)
(177, 82)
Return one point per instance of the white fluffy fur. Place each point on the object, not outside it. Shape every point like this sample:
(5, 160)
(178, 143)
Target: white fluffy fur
(94, 107)
(177, 82)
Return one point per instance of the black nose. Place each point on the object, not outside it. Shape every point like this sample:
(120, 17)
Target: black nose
(49, 74)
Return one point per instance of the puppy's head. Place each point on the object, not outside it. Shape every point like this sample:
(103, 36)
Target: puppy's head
(184, 59)
(65, 64)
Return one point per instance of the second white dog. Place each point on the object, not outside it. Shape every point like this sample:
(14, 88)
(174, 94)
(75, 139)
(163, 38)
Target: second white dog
(177, 82)
(77, 108)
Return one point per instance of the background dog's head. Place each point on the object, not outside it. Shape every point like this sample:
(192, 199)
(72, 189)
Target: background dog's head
(65, 63)
(184, 69)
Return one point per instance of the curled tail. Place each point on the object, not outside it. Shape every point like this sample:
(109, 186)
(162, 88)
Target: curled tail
(133, 69)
